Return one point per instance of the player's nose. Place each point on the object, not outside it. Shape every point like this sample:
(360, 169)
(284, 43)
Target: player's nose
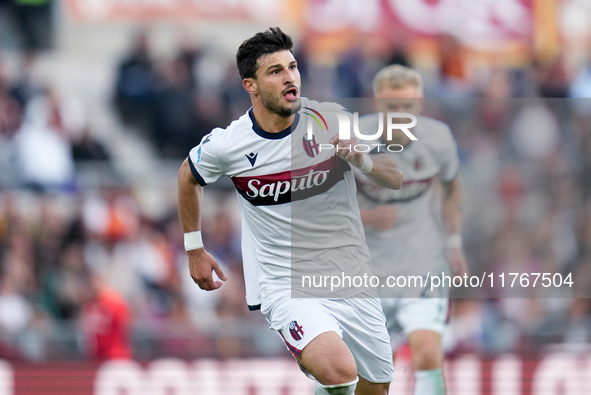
(289, 77)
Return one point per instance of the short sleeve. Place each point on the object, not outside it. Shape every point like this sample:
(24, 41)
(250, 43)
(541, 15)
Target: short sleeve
(448, 158)
(204, 163)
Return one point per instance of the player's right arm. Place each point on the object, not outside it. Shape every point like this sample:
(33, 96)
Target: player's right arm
(201, 263)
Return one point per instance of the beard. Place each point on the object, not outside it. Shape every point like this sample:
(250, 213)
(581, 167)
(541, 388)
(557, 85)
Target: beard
(272, 103)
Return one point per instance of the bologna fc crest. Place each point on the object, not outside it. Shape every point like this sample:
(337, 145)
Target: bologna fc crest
(310, 146)
(296, 330)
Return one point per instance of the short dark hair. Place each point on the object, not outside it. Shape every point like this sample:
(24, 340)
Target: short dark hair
(259, 45)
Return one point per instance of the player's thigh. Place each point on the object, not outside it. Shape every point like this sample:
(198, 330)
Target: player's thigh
(313, 335)
(364, 331)
(329, 360)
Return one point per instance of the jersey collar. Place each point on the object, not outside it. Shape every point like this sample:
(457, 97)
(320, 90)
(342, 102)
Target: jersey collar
(273, 136)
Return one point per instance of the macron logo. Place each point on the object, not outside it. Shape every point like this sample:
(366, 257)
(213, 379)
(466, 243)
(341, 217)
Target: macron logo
(252, 158)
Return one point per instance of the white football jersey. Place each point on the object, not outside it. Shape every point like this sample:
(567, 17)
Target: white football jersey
(415, 245)
(300, 215)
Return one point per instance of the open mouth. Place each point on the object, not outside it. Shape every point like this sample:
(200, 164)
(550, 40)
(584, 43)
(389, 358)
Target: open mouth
(291, 94)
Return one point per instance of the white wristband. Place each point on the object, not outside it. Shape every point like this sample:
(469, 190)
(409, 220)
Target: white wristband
(193, 240)
(454, 241)
(367, 164)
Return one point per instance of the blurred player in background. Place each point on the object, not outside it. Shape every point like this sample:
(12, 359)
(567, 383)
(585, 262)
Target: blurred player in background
(342, 343)
(403, 227)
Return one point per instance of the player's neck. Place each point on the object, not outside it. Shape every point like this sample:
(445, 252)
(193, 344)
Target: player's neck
(269, 121)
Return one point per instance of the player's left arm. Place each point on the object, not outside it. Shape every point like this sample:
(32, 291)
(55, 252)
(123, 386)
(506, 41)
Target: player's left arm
(452, 213)
(380, 168)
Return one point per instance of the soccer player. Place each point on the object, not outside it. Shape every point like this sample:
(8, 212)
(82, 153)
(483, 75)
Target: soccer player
(275, 166)
(403, 227)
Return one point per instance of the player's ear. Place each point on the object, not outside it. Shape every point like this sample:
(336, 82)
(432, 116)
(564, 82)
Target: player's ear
(251, 86)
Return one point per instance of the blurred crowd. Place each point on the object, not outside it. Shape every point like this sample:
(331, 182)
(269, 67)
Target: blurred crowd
(525, 174)
(92, 272)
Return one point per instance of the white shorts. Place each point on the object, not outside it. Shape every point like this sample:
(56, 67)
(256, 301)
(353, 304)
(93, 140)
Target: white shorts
(405, 315)
(360, 322)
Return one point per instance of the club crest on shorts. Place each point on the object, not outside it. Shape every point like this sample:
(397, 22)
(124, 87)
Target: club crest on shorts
(311, 146)
(296, 330)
